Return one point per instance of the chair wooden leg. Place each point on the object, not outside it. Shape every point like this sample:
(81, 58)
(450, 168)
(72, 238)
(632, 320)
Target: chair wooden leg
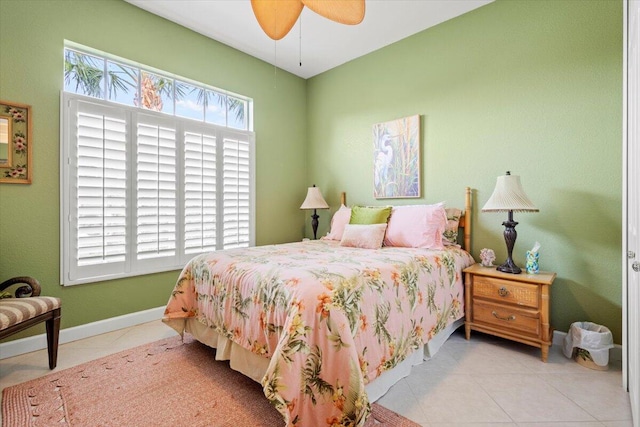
(53, 331)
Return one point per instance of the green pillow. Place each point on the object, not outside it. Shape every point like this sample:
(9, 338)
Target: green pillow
(369, 215)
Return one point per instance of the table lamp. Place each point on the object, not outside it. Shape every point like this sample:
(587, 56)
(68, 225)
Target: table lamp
(314, 200)
(508, 196)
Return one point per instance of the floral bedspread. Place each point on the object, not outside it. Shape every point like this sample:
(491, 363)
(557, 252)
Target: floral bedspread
(330, 318)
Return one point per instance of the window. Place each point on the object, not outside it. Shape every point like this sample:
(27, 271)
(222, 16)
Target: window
(114, 79)
(148, 181)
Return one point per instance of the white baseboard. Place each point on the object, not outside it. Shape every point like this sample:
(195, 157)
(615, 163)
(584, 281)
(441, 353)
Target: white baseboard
(614, 354)
(39, 342)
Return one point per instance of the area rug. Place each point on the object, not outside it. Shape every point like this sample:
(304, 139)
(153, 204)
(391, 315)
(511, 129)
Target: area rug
(166, 383)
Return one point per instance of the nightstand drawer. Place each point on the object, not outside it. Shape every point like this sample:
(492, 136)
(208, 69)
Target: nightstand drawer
(506, 317)
(505, 291)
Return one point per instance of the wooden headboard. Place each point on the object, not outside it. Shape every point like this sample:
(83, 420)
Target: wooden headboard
(465, 219)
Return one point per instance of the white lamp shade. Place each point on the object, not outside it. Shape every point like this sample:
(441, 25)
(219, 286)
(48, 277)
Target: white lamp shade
(314, 200)
(509, 196)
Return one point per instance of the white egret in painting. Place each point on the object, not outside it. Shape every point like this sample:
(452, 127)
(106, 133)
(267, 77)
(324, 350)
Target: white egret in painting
(383, 160)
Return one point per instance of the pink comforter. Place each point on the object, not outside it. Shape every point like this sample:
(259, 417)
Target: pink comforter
(330, 318)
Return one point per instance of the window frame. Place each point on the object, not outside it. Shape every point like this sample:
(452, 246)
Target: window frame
(69, 272)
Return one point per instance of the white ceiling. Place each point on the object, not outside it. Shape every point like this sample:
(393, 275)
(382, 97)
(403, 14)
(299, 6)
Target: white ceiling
(324, 44)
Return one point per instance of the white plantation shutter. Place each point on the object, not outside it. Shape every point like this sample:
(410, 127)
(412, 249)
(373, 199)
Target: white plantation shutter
(155, 189)
(236, 192)
(143, 192)
(199, 192)
(99, 192)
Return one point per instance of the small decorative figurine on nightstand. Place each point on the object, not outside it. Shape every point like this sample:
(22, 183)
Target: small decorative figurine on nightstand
(487, 256)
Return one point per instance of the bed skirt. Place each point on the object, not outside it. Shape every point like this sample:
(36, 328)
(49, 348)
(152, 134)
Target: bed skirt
(255, 366)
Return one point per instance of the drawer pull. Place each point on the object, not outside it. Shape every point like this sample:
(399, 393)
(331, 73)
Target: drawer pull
(503, 292)
(511, 317)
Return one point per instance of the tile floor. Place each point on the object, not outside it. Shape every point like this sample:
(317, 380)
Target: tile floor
(482, 382)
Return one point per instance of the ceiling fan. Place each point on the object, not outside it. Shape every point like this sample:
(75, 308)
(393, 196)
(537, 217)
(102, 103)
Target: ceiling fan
(277, 17)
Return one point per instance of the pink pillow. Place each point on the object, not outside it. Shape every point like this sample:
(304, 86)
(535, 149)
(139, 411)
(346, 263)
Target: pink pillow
(416, 226)
(339, 220)
(365, 236)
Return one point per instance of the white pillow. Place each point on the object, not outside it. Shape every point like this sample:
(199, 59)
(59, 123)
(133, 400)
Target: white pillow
(365, 236)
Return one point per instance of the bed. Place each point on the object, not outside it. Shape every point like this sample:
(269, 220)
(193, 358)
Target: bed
(325, 328)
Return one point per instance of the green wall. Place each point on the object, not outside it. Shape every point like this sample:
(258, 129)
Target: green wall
(534, 87)
(32, 35)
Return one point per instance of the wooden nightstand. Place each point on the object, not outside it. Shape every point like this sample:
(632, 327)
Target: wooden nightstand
(512, 306)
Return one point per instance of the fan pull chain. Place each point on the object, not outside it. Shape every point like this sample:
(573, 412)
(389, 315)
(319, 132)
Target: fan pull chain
(300, 41)
(275, 47)
(275, 61)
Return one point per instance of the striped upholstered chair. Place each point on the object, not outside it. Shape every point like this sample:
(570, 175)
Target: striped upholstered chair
(25, 307)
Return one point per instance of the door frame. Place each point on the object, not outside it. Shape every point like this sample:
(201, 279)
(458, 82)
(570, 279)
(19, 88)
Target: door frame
(631, 142)
(625, 244)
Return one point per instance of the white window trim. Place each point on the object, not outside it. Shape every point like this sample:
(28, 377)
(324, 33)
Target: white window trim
(132, 267)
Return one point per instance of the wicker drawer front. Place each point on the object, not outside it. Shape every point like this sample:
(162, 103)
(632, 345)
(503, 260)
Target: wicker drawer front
(507, 318)
(505, 291)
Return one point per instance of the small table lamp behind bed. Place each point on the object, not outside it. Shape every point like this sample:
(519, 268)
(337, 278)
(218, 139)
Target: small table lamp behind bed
(314, 201)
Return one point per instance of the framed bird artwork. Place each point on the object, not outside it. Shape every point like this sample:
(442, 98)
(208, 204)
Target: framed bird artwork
(396, 158)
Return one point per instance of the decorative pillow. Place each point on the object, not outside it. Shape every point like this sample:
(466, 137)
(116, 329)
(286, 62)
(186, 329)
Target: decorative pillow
(339, 220)
(370, 214)
(365, 236)
(450, 236)
(416, 226)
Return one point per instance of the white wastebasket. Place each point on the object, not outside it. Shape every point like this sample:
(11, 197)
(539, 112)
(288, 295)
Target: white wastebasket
(588, 344)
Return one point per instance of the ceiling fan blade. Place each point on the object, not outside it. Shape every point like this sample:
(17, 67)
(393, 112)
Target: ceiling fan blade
(349, 12)
(276, 17)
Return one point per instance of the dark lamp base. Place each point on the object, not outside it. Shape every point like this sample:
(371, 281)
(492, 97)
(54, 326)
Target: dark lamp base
(509, 267)
(314, 224)
(510, 239)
